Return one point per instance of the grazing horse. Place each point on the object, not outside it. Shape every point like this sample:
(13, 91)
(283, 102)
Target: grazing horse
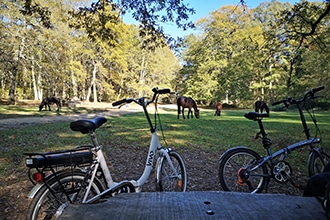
(50, 101)
(187, 102)
(218, 109)
(260, 106)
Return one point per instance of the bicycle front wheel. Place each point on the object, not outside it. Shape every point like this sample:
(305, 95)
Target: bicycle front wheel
(50, 201)
(237, 171)
(317, 162)
(169, 180)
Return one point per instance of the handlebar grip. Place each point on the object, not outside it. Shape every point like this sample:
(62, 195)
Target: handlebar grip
(164, 91)
(315, 90)
(119, 102)
(161, 91)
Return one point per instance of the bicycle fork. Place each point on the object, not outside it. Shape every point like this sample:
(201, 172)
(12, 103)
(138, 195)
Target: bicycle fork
(164, 153)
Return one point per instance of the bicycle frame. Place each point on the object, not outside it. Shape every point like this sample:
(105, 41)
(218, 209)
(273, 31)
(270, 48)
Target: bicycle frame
(285, 151)
(244, 169)
(154, 146)
(84, 175)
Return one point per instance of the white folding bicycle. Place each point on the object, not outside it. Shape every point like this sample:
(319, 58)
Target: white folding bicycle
(81, 175)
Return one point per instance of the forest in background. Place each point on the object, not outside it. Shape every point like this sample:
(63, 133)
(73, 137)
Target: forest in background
(74, 50)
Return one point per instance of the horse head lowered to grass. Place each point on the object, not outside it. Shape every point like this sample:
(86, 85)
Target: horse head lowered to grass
(187, 102)
(260, 106)
(50, 101)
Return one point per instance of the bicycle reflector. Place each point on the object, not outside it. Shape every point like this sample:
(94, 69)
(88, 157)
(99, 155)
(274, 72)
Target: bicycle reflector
(180, 183)
(38, 177)
(240, 180)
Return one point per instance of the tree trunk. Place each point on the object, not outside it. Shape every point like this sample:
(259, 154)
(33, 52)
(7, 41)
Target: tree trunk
(74, 86)
(34, 82)
(12, 89)
(94, 82)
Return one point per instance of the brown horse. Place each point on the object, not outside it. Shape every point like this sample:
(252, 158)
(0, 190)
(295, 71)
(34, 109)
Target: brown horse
(187, 102)
(260, 106)
(218, 109)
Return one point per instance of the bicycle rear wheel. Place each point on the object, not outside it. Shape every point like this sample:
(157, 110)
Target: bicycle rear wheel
(166, 179)
(50, 201)
(235, 172)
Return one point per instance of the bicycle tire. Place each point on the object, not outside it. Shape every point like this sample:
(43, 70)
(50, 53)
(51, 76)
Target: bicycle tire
(166, 180)
(44, 205)
(236, 162)
(317, 162)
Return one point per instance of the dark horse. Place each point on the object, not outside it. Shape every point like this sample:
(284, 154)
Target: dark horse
(187, 102)
(260, 106)
(50, 101)
(218, 109)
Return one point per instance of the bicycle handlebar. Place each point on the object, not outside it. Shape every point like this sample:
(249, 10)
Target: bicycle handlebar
(138, 101)
(315, 90)
(308, 95)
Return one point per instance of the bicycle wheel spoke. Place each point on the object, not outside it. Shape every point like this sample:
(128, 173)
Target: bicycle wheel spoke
(50, 202)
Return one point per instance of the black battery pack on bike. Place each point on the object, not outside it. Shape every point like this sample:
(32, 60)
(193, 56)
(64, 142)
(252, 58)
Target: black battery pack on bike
(73, 157)
(50, 161)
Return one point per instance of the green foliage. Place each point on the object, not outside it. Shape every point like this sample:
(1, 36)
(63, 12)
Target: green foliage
(245, 55)
(75, 50)
(89, 52)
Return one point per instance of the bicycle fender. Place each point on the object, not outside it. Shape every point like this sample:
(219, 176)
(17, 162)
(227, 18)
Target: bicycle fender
(38, 186)
(34, 190)
(231, 150)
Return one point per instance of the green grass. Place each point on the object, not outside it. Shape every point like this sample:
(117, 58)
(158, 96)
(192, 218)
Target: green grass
(210, 133)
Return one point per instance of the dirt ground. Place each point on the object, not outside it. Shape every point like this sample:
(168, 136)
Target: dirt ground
(202, 169)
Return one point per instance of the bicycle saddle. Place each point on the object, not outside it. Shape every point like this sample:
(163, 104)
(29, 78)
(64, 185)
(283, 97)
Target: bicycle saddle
(255, 115)
(87, 125)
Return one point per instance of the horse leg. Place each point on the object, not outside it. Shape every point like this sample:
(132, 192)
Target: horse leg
(183, 113)
(48, 107)
(190, 112)
(217, 112)
(179, 110)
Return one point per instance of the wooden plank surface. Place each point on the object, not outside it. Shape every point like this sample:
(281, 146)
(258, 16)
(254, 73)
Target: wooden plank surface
(198, 205)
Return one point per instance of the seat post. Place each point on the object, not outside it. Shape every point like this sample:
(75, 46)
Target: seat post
(262, 129)
(93, 137)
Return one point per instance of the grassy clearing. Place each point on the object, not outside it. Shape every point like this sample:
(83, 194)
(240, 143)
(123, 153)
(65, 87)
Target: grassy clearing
(210, 133)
